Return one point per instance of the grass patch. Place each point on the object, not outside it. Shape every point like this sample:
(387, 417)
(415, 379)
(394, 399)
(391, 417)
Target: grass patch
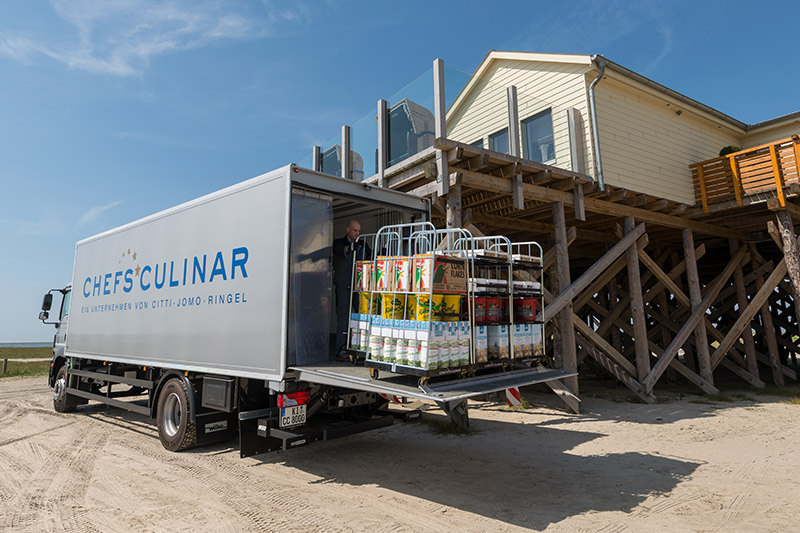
(524, 406)
(779, 391)
(22, 368)
(793, 401)
(26, 353)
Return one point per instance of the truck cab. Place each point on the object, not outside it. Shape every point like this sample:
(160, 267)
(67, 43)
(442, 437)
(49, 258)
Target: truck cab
(60, 338)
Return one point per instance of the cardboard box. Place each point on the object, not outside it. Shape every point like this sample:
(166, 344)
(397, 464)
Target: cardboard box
(440, 273)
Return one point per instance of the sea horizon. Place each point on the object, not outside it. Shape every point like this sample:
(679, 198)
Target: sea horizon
(24, 344)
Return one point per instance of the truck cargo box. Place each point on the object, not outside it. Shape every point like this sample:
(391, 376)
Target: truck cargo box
(220, 284)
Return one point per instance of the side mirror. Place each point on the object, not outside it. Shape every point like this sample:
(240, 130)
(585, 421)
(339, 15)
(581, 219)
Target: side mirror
(44, 315)
(47, 302)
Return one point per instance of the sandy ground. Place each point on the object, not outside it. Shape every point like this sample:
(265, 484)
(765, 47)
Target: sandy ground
(675, 466)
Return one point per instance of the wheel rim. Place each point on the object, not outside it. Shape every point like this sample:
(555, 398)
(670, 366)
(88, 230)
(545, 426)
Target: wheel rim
(58, 388)
(171, 417)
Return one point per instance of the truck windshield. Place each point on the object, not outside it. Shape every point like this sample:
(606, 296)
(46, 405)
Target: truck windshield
(65, 305)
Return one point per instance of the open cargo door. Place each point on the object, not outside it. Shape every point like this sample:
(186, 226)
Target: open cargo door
(450, 395)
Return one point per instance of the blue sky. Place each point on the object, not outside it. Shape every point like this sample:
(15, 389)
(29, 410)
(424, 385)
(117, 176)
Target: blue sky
(112, 110)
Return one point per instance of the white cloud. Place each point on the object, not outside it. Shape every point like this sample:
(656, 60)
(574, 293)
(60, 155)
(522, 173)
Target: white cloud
(94, 213)
(120, 37)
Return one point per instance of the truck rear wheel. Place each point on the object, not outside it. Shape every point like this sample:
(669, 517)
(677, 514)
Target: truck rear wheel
(61, 403)
(176, 428)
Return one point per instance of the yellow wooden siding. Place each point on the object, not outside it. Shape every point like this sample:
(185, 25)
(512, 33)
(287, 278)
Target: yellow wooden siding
(759, 136)
(539, 86)
(647, 147)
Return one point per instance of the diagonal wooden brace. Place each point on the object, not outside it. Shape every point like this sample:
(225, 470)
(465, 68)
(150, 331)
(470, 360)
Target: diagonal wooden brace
(695, 318)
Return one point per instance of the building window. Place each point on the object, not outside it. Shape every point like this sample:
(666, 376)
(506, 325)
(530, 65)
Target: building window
(499, 141)
(537, 137)
(478, 143)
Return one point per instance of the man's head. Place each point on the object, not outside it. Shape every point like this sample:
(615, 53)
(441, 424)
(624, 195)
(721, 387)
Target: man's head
(353, 230)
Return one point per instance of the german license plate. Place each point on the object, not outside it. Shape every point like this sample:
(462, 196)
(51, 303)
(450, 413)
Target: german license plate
(293, 416)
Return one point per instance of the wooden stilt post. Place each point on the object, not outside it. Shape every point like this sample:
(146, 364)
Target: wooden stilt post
(790, 253)
(741, 299)
(454, 207)
(701, 340)
(769, 330)
(616, 339)
(569, 354)
(637, 306)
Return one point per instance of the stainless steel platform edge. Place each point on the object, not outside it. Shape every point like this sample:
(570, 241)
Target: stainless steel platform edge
(449, 391)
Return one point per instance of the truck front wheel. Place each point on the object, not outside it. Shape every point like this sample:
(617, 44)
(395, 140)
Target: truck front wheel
(176, 429)
(61, 403)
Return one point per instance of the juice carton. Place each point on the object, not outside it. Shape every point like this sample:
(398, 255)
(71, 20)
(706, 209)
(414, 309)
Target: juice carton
(363, 273)
(481, 344)
(402, 274)
(498, 342)
(384, 267)
(536, 339)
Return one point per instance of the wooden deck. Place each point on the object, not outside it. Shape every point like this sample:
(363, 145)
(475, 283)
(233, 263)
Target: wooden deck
(768, 168)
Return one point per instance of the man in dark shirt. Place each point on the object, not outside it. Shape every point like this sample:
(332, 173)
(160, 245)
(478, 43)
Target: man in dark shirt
(343, 250)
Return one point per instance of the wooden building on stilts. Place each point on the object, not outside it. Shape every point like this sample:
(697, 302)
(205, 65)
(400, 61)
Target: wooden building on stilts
(662, 256)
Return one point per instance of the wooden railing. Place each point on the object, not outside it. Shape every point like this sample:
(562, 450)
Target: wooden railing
(769, 167)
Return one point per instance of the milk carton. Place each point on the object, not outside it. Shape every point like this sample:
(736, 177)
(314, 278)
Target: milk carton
(481, 344)
(376, 340)
(427, 348)
(408, 343)
(441, 346)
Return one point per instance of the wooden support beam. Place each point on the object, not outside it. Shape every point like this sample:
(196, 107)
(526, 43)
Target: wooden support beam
(616, 340)
(549, 258)
(563, 392)
(758, 302)
(545, 194)
(603, 279)
(612, 368)
(701, 339)
(568, 294)
(741, 300)
(568, 354)
(518, 196)
(579, 202)
(790, 254)
(454, 207)
(682, 369)
(637, 306)
(689, 325)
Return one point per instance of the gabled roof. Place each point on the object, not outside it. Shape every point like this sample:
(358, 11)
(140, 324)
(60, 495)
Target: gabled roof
(590, 61)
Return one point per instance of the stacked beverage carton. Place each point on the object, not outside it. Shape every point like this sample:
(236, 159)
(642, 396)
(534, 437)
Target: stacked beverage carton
(395, 335)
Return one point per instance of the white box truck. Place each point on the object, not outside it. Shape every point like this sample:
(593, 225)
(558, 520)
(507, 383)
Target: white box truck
(215, 317)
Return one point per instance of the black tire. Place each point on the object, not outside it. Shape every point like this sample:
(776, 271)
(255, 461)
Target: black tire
(61, 401)
(176, 429)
